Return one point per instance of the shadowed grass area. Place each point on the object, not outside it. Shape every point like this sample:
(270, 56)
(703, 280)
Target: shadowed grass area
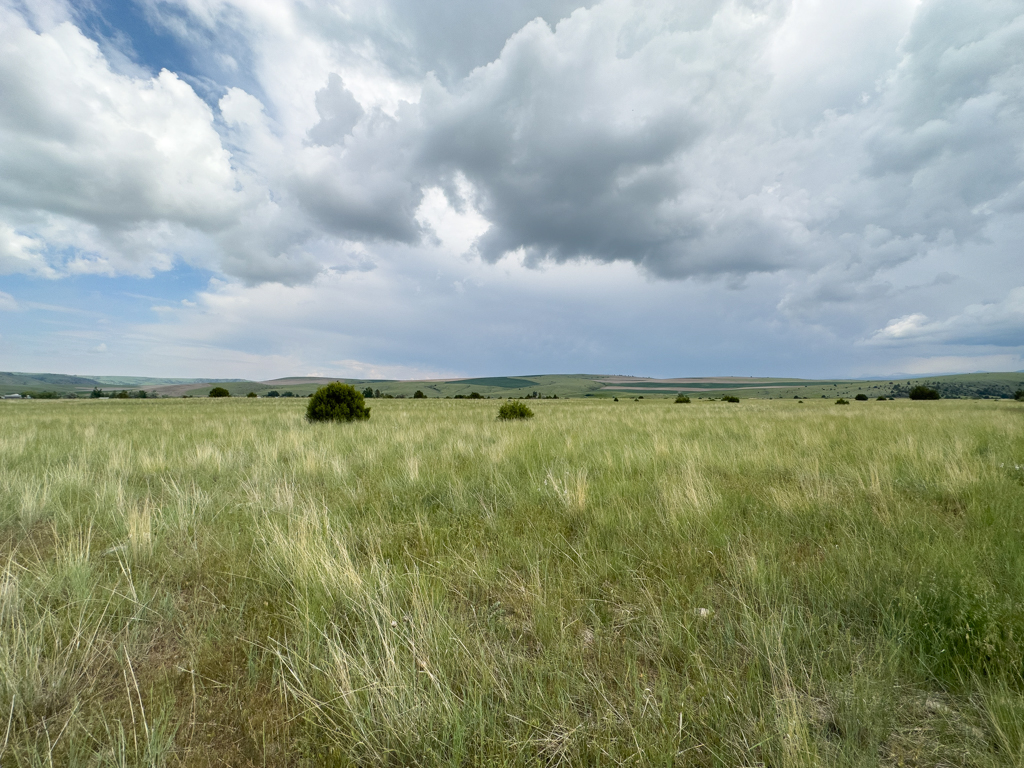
(221, 582)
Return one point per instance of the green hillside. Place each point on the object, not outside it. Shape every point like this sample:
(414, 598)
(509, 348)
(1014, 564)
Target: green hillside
(971, 385)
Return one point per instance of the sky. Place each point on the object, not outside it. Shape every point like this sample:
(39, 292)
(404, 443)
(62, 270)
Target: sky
(433, 188)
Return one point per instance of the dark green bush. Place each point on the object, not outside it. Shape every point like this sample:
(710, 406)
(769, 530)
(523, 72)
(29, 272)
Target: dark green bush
(475, 396)
(861, 397)
(337, 402)
(840, 401)
(273, 393)
(513, 409)
(96, 392)
(681, 398)
(368, 392)
(730, 398)
(418, 394)
(1019, 394)
(252, 394)
(881, 397)
(921, 392)
(219, 392)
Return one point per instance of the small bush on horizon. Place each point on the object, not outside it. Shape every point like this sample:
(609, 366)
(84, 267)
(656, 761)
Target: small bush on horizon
(681, 398)
(730, 398)
(861, 396)
(881, 397)
(1019, 394)
(368, 392)
(337, 402)
(841, 401)
(513, 409)
(921, 392)
(217, 392)
(252, 394)
(418, 395)
(273, 393)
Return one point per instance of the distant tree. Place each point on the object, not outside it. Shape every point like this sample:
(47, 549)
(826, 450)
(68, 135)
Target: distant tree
(122, 395)
(861, 396)
(1019, 394)
(142, 394)
(681, 398)
(219, 392)
(921, 392)
(615, 399)
(418, 394)
(287, 394)
(273, 393)
(96, 392)
(368, 392)
(513, 409)
(337, 402)
(252, 394)
(376, 393)
(730, 398)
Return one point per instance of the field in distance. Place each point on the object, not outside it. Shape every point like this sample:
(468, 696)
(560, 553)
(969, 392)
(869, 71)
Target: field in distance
(975, 385)
(997, 385)
(218, 582)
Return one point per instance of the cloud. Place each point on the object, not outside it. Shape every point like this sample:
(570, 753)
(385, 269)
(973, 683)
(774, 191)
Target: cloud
(109, 159)
(8, 303)
(999, 324)
(721, 138)
(802, 168)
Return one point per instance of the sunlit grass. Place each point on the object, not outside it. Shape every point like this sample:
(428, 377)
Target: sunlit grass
(220, 582)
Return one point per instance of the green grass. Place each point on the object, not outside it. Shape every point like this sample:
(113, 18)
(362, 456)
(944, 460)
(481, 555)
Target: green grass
(202, 582)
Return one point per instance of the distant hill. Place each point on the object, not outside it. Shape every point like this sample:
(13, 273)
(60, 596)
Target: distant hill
(969, 385)
(65, 383)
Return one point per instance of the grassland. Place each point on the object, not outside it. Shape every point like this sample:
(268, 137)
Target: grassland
(204, 582)
(974, 385)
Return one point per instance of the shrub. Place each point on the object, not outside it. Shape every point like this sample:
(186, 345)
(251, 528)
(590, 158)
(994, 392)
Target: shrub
(337, 402)
(273, 393)
(615, 399)
(218, 392)
(475, 396)
(1019, 394)
(418, 395)
(251, 394)
(513, 409)
(96, 392)
(368, 392)
(840, 401)
(881, 397)
(921, 392)
(861, 397)
(730, 398)
(681, 398)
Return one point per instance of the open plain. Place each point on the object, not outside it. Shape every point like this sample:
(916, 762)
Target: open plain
(218, 582)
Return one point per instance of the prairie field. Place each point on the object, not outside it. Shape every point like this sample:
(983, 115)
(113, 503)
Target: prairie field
(774, 583)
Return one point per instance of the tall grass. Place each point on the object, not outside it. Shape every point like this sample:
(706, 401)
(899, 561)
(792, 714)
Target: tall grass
(220, 582)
